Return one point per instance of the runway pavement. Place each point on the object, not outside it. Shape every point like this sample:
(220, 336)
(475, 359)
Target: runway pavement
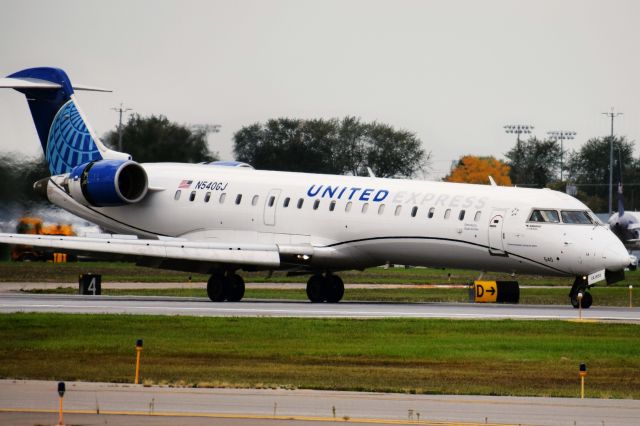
(149, 305)
(26, 401)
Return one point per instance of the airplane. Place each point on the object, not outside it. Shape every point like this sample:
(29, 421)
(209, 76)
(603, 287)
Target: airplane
(224, 217)
(626, 224)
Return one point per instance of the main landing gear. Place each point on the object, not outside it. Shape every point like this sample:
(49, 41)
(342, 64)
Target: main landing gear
(580, 285)
(325, 288)
(229, 287)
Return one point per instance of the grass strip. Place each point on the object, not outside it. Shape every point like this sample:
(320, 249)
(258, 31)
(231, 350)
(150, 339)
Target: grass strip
(507, 357)
(608, 296)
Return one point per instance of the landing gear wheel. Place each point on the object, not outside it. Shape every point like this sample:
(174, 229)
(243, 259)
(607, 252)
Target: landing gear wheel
(235, 288)
(574, 302)
(216, 287)
(315, 286)
(334, 288)
(587, 300)
(580, 285)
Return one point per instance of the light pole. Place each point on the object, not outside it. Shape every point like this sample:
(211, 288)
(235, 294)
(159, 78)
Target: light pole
(518, 129)
(120, 110)
(611, 115)
(562, 135)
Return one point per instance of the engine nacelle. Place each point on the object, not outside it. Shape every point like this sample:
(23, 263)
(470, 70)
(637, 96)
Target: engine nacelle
(105, 183)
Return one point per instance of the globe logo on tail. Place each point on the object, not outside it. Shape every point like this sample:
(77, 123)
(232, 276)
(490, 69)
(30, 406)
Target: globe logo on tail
(70, 143)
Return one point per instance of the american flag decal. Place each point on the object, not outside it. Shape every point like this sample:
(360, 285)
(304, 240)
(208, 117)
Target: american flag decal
(185, 184)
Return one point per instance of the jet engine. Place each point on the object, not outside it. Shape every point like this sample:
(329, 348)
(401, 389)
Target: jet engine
(105, 183)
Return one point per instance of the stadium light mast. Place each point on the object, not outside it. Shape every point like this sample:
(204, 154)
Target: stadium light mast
(611, 115)
(120, 110)
(561, 135)
(518, 129)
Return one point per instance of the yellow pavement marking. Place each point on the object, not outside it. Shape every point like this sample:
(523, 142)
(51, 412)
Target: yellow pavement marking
(255, 417)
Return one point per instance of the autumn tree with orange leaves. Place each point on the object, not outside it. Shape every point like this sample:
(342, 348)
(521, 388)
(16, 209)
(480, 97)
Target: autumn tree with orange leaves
(472, 169)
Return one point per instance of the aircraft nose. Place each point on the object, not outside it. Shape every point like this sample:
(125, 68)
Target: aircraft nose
(616, 257)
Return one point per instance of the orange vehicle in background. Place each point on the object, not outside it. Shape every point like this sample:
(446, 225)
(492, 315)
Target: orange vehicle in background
(35, 226)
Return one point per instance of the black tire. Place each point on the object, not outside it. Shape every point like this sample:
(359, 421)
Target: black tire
(334, 289)
(574, 302)
(216, 288)
(587, 300)
(235, 288)
(315, 291)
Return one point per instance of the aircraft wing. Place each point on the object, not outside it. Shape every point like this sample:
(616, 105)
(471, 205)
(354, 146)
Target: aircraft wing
(264, 256)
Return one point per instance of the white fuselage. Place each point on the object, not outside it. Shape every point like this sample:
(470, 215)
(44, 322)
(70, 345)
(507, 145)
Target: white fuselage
(357, 222)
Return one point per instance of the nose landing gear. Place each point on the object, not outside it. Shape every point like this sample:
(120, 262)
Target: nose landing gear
(325, 288)
(580, 285)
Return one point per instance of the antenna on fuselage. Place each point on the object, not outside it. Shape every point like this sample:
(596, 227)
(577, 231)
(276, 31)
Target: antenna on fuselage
(492, 182)
(371, 174)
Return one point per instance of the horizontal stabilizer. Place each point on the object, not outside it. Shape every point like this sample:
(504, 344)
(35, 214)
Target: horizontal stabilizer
(27, 83)
(264, 255)
(36, 83)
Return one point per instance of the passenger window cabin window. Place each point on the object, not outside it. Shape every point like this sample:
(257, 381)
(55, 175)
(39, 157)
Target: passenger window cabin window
(365, 207)
(286, 202)
(381, 209)
(477, 216)
(300, 202)
(432, 211)
(192, 196)
(347, 207)
(207, 197)
(238, 199)
(177, 195)
(398, 210)
(544, 216)
(254, 200)
(332, 205)
(223, 196)
(461, 215)
(272, 201)
(316, 204)
(447, 213)
(414, 211)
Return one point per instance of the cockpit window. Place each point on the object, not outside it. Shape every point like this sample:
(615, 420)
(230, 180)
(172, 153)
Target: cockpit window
(544, 216)
(580, 217)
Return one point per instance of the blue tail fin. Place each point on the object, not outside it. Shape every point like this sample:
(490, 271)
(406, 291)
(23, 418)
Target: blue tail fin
(67, 139)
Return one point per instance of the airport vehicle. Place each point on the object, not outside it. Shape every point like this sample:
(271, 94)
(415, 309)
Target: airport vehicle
(221, 218)
(35, 226)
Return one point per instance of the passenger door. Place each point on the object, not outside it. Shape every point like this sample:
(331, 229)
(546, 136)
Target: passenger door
(496, 234)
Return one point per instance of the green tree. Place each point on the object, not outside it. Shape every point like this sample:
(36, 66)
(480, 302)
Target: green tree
(330, 146)
(589, 170)
(18, 174)
(393, 153)
(156, 139)
(534, 162)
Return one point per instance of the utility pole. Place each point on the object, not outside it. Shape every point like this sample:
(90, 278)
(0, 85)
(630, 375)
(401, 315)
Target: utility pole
(611, 115)
(562, 135)
(120, 110)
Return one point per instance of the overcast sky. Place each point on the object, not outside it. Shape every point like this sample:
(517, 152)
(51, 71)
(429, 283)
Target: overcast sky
(453, 72)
